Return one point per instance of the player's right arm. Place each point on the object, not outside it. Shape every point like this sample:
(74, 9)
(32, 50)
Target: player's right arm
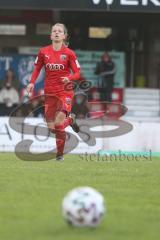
(39, 62)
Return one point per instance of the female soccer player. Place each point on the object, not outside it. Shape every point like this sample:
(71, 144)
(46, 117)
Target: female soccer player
(61, 67)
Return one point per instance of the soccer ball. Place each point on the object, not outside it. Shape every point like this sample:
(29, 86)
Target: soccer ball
(83, 207)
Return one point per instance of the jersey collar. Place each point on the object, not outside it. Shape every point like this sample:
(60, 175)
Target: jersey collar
(62, 48)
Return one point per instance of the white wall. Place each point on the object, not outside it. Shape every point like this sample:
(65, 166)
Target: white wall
(143, 137)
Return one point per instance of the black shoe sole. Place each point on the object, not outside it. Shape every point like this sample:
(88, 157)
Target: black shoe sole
(59, 158)
(75, 127)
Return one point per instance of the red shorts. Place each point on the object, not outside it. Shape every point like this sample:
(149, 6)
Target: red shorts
(54, 104)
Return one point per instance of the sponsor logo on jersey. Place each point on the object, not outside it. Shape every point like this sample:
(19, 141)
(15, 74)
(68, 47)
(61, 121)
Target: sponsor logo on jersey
(68, 100)
(63, 57)
(54, 66)
(47, 56)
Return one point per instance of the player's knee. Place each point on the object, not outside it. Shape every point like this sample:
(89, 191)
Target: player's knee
(50, 125)
(59, 126)
(60, 118)
(58, 122)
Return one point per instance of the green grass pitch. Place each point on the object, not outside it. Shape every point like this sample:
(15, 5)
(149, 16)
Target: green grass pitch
(31, 195)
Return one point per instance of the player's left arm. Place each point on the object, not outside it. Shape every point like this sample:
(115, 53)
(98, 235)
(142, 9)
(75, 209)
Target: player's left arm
(75, 67)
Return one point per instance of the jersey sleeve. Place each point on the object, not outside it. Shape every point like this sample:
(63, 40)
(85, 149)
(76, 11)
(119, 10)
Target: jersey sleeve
(39, 62)
(75, 67)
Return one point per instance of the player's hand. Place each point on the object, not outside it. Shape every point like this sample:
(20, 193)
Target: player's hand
(65, 79)
(30, 88)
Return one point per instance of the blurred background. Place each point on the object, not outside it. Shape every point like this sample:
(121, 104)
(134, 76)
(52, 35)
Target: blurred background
(118, 38)
(117, 43)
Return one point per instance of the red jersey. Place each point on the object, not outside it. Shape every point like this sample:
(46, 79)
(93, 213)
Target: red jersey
(58, 64)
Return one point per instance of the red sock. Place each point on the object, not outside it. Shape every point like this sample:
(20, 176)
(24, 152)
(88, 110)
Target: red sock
(60, 139)
(60, 142)
(61, 135)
